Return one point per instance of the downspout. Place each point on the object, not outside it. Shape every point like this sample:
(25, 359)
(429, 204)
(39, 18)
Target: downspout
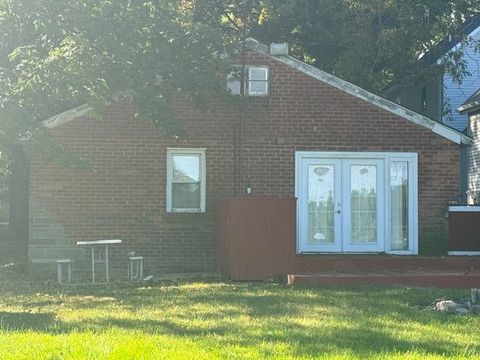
(239, 127)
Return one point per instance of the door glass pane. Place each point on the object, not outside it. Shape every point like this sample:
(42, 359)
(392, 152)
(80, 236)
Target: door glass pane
(399, 205)
(320, 204)
(363, 197)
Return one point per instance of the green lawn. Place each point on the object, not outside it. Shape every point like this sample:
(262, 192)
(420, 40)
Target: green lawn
(229, 321)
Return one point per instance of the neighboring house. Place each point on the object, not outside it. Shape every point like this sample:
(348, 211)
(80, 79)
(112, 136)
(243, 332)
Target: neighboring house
(471, 108)
(438, 97)
(370, 175)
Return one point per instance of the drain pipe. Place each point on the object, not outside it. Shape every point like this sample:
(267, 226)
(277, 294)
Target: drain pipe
(239, 127)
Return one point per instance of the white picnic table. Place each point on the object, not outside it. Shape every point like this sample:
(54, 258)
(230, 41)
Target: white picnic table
(93, 244)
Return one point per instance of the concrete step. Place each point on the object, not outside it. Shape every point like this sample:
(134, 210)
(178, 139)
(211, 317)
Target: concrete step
(413, 278)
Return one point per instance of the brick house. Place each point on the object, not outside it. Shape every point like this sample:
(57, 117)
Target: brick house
(370, 176)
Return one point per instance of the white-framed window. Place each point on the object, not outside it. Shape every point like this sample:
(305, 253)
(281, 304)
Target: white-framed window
(185, 180)
(256, 81)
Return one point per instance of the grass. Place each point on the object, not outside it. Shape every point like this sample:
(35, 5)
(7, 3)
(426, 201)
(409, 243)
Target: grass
(230, 321)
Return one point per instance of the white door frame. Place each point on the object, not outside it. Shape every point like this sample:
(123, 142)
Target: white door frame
(386, 157)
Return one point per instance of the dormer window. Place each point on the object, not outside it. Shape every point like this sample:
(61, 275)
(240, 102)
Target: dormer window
(256, 81)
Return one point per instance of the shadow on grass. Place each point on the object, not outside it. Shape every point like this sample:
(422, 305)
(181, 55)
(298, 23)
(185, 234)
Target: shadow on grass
(153, 327)
(14, 321)
(365, 339)
(362, 321)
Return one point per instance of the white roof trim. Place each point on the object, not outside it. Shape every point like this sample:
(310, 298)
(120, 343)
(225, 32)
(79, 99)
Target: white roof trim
(67, 116)
(390, 106)
(446, 133)
(469, 106)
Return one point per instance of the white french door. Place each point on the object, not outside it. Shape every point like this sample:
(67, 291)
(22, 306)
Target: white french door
(320, 203)
(363, 205)
(344, 203)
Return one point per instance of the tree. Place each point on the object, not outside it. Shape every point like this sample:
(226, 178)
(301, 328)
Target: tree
(367, 42)
(58, 54)
(55, 55)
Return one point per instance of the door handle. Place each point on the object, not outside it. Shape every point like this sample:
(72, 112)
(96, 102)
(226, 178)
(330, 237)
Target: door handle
(338, 211)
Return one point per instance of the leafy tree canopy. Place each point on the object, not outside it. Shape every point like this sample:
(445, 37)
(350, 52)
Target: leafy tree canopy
(367, 42)
(58, 54)
(55, 55)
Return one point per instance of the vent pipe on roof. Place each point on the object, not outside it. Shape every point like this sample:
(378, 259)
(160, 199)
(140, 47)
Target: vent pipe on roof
(278, 49)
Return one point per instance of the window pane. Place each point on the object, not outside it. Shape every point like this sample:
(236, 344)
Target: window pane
(363, 187)
(258, 74)
(399, 205)
(186, 168)
(320, 204)
(258, 87)
(233, 87)
(186, 196)
(234, 81)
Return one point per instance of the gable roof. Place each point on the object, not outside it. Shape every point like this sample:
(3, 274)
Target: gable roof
(472, 103)
(356, 91)
(390, 106)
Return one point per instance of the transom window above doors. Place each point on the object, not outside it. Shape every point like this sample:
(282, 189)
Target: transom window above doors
(356, 202)
(185, 180)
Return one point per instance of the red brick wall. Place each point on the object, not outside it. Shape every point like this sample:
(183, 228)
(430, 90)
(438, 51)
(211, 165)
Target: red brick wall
(125, 194)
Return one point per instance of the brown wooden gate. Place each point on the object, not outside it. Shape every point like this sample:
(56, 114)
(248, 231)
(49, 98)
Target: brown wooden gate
(255, 237)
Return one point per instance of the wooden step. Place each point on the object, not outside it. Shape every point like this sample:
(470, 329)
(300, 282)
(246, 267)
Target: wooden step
(416, 279)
